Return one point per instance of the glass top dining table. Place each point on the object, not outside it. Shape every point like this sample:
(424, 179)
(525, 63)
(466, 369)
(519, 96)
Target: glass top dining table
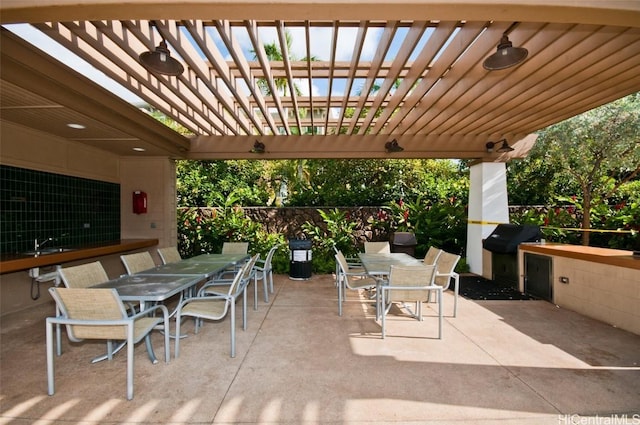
(379, 264)
(163, 282)
(205, 264)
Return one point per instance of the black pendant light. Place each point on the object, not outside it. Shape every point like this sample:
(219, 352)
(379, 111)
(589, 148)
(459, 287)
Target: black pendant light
(506, 56)
(160, 61)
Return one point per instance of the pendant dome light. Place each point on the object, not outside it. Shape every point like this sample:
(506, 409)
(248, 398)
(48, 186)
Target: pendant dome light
(506, 56)
(160, 61)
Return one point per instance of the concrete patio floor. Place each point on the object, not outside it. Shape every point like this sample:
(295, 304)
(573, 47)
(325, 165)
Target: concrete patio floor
(506, 362)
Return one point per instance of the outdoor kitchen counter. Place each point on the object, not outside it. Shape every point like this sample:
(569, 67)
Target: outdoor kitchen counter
(13, 263)
(600, 283)
(612, 257)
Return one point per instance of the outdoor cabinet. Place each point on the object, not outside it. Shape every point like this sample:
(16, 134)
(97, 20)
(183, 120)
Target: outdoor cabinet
(538, 276)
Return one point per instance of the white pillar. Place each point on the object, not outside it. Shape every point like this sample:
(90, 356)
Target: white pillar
(488, 205)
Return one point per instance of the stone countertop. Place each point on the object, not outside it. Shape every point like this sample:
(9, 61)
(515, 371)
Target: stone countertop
(613, 257)
(17, 262)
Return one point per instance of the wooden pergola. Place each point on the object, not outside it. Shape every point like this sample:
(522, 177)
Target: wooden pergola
(408, 71)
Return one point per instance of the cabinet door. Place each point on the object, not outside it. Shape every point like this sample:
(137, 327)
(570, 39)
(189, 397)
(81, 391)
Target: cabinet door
(538, 280)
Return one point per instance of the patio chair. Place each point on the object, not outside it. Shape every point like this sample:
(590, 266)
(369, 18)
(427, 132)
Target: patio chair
(81, 276)
(353, 278)
(431, 257)
(169, 254)
(90, 313)
(377, 248)
(445, 271)
(264, 272)
(354, 265)
(135, 263)
(219, 286)
(410, 284)
(235, 247)
(214, 307)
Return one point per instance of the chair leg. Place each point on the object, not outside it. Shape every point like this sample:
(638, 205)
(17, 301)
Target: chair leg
(58, 334)
(255, 292)
(440, 313)
(456, 280)
(177, 344)
(149, 346)
(50, 365)
(383, 313)
(271, 281)
(130, 361)
(265, 278)
(244, 309)
(167, 346)
(58, 341)
(340, 290)
(233, 328)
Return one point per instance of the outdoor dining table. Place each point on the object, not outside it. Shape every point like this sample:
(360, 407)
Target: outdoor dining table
(207, 265)
(379, 263)
(162, 282)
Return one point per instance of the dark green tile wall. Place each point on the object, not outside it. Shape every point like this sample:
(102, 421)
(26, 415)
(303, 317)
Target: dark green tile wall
(72, 210)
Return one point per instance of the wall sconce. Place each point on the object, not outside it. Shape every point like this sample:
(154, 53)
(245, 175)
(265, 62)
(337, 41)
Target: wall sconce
(258, 147)
(506, 56)
(393, 146)
(504, 148)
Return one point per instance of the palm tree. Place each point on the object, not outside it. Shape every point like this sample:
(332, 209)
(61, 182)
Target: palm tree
(274, 54)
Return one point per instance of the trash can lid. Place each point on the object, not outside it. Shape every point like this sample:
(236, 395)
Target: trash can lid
(300, 244)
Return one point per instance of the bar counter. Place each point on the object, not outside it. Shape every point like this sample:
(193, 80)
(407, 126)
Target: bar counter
(16, 262)
(608, 256)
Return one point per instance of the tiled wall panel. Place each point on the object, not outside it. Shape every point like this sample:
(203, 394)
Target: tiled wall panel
(74, 211)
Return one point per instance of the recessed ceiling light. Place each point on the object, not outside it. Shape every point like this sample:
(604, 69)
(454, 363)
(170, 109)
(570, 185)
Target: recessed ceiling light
(76, 126)
(139, 149)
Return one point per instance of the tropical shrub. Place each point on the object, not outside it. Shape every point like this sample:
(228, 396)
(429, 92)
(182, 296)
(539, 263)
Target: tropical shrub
(339, 233)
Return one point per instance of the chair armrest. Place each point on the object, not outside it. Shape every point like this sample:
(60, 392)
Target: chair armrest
(424, 288)
(161, 307)
(208, 297)
(62, 320)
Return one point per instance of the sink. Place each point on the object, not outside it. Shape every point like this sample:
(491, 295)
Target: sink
(46, 251)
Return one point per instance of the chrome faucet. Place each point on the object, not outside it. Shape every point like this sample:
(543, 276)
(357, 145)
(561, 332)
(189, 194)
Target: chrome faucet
(37, 245)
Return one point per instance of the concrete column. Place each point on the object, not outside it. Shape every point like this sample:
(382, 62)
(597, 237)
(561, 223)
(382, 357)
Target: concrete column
(488, 205)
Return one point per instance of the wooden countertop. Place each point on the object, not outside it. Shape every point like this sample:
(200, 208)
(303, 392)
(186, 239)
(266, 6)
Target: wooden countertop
(14, 263)
(613, 257)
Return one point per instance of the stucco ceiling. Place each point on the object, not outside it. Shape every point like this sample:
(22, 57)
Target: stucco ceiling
(382, 70)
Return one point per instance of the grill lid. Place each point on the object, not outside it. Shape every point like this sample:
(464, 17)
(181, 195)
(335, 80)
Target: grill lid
(506, 237)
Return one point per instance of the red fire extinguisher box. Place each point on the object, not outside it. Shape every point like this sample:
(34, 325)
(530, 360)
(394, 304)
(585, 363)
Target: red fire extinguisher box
(139, 202)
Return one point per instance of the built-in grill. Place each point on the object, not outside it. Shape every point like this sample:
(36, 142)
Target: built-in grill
(503, 244)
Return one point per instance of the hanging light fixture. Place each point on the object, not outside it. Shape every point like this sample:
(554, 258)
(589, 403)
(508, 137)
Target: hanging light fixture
(258, 147)
(506, 56)
(393, 146)
(504, 148)
(160, 61)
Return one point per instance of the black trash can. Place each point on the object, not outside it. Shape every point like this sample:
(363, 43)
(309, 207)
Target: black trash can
(404, 242)
(300, 266)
